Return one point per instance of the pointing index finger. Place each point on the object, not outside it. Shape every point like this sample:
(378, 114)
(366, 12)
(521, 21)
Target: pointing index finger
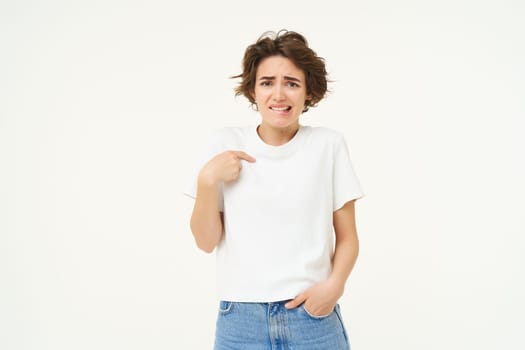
(245, 156)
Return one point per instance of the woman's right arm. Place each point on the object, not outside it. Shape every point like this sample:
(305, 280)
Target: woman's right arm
(207, 223)
(206, 220)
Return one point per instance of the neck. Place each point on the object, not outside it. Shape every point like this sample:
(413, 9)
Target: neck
(277, 136)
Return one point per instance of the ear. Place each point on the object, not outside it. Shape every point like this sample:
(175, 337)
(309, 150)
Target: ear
(308, 97)
(252, 94)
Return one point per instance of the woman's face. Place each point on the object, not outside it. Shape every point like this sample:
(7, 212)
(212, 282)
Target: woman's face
(280, 92)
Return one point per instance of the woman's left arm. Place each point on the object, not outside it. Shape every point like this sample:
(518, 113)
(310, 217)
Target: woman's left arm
(346, 243)
(321, 298)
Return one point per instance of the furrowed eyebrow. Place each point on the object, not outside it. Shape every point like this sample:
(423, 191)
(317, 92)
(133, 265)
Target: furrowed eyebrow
(285, 78)
(292, 79)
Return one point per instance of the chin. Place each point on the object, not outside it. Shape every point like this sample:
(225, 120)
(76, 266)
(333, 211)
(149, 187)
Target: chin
(282, 123)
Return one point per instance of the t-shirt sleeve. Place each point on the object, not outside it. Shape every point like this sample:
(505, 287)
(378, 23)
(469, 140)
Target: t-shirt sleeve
(211, 149)
(346, 185)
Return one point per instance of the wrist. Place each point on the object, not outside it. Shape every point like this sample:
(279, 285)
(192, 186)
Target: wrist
(337, 283)
(206, 179)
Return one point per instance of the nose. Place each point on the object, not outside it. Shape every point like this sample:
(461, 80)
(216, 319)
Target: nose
(278, 92)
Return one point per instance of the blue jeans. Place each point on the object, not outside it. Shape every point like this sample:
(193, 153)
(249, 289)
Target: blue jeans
(270, 326)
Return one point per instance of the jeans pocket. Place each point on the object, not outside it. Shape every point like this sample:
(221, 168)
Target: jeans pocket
(320, 317)
(340, 317)
(225, 307)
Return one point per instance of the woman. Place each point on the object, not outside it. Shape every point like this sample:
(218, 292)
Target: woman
(269, 198)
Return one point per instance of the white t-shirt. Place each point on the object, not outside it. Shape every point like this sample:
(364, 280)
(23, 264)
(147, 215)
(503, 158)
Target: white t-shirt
(278, 227)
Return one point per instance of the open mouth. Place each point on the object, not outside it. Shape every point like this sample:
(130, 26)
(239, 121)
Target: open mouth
(281, 109)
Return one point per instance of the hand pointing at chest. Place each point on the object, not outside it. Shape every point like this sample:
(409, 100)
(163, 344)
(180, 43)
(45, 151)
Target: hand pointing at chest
(225, 167)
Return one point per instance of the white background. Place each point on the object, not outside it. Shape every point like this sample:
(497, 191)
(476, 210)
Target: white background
(104, 105)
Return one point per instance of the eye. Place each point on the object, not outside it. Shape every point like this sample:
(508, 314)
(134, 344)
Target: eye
(266, 83)
(292, 84)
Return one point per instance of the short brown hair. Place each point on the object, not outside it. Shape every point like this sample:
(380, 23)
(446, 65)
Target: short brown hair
(293, 46)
